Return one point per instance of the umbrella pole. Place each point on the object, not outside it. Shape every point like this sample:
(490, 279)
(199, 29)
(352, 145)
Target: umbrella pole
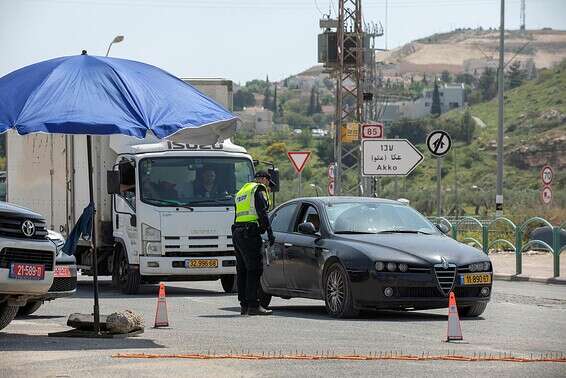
(93, 236)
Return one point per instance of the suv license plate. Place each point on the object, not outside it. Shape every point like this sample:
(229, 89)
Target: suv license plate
(21, 271)
(201, 263)
(62, 271)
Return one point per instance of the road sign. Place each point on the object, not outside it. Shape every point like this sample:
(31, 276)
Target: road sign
(331, 187)
(546, 195)
(350, 132)
(332, 171)
(299, 159)
(372, 131)
(389, 157)
(547, 174)
(438, 143)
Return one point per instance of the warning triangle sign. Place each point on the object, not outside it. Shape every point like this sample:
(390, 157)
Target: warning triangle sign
(299, 159)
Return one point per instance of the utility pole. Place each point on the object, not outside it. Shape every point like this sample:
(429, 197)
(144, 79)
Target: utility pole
(499, 183)
(523, 27)
(348, 85)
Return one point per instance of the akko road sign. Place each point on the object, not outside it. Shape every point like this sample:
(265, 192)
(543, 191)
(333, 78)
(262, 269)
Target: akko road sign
(438, 143)
(299, 159)
(389, 157)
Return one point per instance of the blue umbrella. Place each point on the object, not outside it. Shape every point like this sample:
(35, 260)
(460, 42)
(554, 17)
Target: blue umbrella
(93, 95)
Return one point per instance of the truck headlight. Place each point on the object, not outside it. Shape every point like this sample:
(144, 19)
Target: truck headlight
(152, 248)
(150, 234)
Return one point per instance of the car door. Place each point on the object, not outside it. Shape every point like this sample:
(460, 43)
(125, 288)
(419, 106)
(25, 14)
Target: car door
(273, 260)
(303, 256)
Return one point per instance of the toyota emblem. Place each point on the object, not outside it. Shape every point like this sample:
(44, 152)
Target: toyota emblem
(28, 228)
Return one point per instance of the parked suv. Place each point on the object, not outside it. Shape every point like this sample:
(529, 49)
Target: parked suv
(27, 259)
(64, 277)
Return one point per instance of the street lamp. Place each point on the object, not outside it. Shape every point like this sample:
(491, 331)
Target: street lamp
(316, 188)
(117, 39)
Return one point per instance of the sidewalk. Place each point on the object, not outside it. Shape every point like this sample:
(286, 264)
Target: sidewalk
(537, 267)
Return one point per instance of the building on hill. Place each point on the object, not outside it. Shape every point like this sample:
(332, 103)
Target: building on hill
(451, 97)
(256, 119)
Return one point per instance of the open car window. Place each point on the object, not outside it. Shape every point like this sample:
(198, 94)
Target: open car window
(308, 213)
(282, 218)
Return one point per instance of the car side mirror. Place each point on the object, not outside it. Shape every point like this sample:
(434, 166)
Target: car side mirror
(307, 228)
(113, 182)
(443, 228)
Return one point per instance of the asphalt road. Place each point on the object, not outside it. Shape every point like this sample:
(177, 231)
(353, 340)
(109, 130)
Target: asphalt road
(522, 318)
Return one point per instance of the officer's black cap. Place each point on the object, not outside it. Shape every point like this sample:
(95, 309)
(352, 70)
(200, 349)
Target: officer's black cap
(264, 174)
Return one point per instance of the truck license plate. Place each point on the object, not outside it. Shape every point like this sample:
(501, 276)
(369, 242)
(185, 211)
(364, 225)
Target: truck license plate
(201, 263)
(21, 271)
(475, 278)
(62, 271)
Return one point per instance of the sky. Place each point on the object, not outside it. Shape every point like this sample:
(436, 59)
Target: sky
(239, 40)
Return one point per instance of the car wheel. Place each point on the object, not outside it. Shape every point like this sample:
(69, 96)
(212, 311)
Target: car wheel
(229, 283)
(29, 308)
(264, 298)
(472, 311)
(337, 293)
(129, 280)
(7, 314)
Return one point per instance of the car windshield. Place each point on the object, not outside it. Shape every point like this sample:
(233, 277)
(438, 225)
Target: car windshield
(192, 181)
(375, 217)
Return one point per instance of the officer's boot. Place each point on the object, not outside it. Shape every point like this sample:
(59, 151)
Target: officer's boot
(259, 310)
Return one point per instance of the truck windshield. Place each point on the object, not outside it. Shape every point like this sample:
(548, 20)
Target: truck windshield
(189, 181)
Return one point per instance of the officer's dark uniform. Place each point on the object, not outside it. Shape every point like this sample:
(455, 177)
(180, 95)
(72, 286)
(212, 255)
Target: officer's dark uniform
(246, 235)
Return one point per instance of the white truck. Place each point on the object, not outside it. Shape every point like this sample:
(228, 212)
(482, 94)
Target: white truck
(170, 216)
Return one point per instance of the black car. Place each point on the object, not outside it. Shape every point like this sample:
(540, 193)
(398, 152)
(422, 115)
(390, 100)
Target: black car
(365, 253)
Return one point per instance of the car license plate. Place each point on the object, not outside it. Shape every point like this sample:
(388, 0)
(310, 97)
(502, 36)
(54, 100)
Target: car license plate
(201, 263)
(62, 271)
(475, 278)
(20, 271)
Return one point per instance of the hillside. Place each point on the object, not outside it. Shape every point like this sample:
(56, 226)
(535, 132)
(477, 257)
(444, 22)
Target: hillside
(468, 49)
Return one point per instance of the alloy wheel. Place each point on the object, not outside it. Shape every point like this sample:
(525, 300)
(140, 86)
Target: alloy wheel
(335, 290)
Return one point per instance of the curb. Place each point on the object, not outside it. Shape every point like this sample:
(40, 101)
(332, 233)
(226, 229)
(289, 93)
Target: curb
(514, 277)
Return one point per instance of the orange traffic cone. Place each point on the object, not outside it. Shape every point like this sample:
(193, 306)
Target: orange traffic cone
(454, 330)
(161, 319)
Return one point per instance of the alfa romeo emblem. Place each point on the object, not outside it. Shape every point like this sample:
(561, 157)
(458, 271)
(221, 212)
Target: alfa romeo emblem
(28, 228)
(444, 262)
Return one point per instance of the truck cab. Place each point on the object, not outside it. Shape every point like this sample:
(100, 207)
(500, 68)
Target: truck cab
(173, 208)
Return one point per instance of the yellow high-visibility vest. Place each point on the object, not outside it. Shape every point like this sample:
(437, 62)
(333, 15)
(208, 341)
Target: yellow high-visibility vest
(245, 204)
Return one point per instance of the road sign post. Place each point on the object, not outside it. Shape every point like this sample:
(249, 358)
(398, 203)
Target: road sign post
(299, 160)
(438, 143)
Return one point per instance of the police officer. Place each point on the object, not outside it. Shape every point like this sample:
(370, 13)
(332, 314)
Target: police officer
(252, 204)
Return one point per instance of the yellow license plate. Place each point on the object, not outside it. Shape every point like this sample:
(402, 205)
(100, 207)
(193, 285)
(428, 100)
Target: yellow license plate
(475, 278)
(202, 263)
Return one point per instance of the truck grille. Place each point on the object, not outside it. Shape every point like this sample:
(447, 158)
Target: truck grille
(445, 277)
(63, 284)
(29, 256)
(11, 226)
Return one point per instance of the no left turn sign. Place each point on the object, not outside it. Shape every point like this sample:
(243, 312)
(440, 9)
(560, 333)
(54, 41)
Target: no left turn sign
(438, 143)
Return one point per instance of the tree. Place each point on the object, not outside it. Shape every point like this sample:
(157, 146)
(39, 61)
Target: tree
(515, 75)
(487, 86)
(445, 76)
(267, 98)
(468, 127)
(435, 109)
(424, 80)
(318, 107)
(274, 104)
(243, 98)
(312, 102)
(413, 130)
(465, 78)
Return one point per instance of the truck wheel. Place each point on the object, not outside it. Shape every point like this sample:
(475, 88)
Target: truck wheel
(7, 314)
(29, 308)
(229, 283)
(128, 279)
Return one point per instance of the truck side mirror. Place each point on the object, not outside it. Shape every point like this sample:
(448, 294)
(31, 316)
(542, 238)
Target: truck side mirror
(274, 173)
(133, 220)
(113, 182)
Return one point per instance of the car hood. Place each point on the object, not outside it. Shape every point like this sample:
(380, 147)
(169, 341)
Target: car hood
(415, 248)
(11, 210)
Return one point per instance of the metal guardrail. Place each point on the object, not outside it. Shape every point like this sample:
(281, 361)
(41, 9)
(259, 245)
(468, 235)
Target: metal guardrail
(491, 237)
